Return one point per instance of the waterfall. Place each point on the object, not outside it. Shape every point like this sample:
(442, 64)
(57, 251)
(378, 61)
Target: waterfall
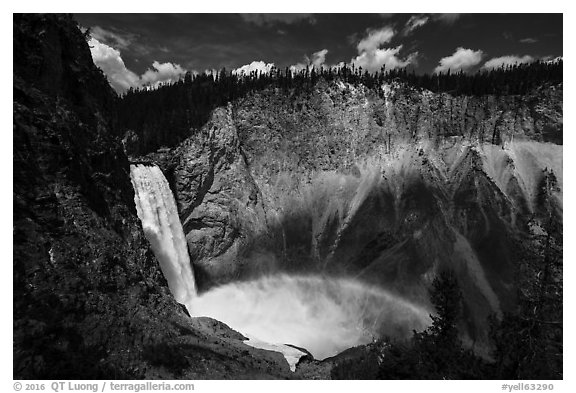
(324, 315)
(157, 211)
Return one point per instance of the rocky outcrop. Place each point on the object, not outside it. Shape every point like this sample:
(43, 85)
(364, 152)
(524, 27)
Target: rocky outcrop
(218, 201)
(386, 186)
(90, 301)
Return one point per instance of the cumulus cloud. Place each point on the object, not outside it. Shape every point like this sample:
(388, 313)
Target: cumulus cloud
(298, 67)
(317, 60)
(462, 59)
(498, 62)
(162, 73)
(388, 57)
(110, 61)
(415, 22)
(375, 39)
(121, 78)
(551, 59)
(258, 66)
(339, 66)
(269, 19)
(372, 56)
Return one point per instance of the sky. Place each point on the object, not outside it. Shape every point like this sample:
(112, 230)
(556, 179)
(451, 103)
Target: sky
(137, 50)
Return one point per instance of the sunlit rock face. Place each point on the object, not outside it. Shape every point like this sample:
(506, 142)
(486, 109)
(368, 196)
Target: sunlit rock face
(217, 198)
(384, 187)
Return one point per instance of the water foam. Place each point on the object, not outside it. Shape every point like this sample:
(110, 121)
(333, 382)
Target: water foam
(323, 315)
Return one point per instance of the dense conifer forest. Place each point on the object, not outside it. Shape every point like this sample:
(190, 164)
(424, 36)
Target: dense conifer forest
(165, 116)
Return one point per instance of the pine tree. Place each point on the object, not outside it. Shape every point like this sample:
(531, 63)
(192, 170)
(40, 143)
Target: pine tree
(528, 343)
(437, 352)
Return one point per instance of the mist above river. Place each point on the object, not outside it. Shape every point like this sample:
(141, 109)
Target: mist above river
(323, 315)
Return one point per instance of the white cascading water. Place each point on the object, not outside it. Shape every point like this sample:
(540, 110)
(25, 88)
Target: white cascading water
(157, 211)
(323, 315)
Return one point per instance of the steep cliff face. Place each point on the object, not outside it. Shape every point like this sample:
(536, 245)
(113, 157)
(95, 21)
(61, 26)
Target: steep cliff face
(217, 197)
(89, 298)
(385, 187)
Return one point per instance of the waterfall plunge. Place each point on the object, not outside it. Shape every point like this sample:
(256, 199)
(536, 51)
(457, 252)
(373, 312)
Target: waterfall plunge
(157, 212)
(324, 315)
(321, 314)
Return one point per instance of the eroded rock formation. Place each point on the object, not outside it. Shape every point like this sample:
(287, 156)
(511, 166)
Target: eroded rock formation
(386, 187)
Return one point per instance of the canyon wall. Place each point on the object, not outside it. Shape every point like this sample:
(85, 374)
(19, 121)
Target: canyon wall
(89, 298)
(386, 186)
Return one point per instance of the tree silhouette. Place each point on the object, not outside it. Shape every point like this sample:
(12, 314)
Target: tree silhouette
(528, 343)
(167, 114)
(437, 352)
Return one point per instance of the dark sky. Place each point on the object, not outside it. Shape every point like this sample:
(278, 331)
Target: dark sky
(212, 41)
